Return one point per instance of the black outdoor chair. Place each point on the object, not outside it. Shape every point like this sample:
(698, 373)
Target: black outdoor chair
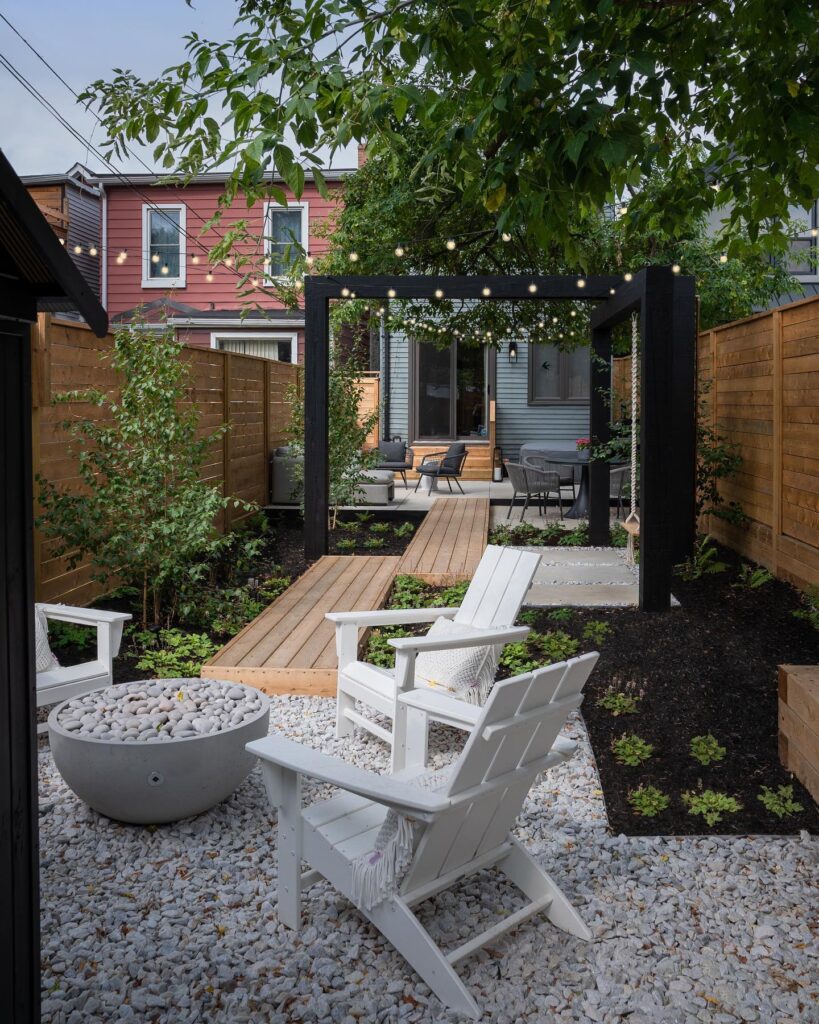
(446, 465)
(531, 480)
(397, 457)
(619, 486)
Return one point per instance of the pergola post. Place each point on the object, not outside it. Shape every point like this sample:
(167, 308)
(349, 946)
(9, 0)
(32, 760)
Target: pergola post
(599, 433)
(316, 419)
(683, 419)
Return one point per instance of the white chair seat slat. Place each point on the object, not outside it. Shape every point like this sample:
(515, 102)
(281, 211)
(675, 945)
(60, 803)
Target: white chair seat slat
(324, 811)
(356, 846)
(89, 671)
(350, 826)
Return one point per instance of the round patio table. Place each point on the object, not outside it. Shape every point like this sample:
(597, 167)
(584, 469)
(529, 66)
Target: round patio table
(560, 456)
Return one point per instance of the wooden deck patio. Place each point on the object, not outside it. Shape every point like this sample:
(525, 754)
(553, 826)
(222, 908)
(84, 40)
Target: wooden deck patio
(290, 647)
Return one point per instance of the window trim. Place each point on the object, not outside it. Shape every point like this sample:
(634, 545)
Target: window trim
(162, 282)
(293, 338)
(270, 206)
(564, 382)
(414, 367)
(811, 277)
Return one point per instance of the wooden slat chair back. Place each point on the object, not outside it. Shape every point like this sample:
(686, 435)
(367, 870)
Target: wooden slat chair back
(463, 829)
(492, 602)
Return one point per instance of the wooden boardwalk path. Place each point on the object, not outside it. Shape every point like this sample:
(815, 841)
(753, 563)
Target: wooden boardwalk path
(290, 647)
(449, 543)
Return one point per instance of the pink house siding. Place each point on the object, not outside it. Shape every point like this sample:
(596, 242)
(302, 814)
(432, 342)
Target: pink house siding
(124, 227)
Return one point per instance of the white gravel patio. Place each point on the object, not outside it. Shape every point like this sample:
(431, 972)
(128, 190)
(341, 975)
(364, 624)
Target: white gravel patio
(178, 923)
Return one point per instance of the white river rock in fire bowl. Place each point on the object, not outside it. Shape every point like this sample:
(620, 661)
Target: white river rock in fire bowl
(157, 750)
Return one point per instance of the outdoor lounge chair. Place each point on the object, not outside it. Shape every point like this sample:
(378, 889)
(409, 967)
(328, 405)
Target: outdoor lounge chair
(487, 614)
(64, 682)
(446, 465)
(457, 830)
(532, 480)
(396, 457)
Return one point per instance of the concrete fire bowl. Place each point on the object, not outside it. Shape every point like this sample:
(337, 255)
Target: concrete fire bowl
(154, 782)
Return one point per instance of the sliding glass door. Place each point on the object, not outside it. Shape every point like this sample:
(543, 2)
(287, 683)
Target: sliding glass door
(450, 392)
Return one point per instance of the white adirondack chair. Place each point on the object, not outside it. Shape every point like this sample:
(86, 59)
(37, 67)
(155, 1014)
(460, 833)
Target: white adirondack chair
(489, 608)
(69, 681)
(460, 830)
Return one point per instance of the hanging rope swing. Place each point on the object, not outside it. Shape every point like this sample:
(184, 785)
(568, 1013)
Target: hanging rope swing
(632, 523)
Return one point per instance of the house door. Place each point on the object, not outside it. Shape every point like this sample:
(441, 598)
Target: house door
(450, 387)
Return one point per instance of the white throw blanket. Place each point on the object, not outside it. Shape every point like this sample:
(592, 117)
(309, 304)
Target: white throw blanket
(378, 874)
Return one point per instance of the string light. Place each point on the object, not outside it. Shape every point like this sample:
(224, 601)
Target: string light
(92, 251)
(165, 269)
(309, 261)
(78, 249)
(399, 251)
(195, 258)
(155, 257)
(628, 276)
(723, 258)
(675, 268)
(255, 282)
(353, 257)
(486, 292)
(439, 293)
(123, 255)
(623, 210)
(532, 288)
(573, 313)
(581, 283)
(450, 244)
(554, 319)
(209, 276)
(62, 241)
(381, 311)
(612, 291)
(229, 261)
(506, 237)
(391, 293)
(345, 292)
(814, 232)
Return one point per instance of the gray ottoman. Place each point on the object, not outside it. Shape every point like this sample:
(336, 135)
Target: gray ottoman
(376, 487)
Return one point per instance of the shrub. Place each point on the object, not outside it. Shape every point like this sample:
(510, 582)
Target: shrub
(619, 536)
(810, 610)
(273, 587)
(516, 659)
(704, 562)
(528, 617)
(232, 609)
(345, 544)
(561, 615)
(172, 653)
(408, 592)
(379, 651)
(555, 645)
(451, 597)
(143, 516)
(619, 702)
(780, 801)
(379, 527)
(404, 529)
(648, 801)
(373, 542)
(706, 749)
(711, 805)
(576, 538)
(62, 635)
(630, 750)
(596, 631)
(752, 577)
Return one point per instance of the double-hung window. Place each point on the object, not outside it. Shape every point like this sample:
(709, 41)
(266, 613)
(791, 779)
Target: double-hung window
(285, 236)
(163, 245)
(556, 376)
(803, 249)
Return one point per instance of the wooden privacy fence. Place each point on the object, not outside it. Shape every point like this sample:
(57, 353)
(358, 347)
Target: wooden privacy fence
(763, 374)
(246, 392)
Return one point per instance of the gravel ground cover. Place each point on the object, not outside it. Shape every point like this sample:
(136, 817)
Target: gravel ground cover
(178, 923)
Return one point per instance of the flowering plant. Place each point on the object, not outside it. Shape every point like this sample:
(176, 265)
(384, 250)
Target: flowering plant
(583, 443)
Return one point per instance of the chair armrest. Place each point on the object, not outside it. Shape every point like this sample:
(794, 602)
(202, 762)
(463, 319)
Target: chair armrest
(394, 617)
(82, 616)
(432, 455)
(295, 757)
(475, 638)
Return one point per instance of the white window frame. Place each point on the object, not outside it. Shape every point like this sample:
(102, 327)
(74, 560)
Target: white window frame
(305, 228)
(162, 282)
(293, 338)
(813, 241)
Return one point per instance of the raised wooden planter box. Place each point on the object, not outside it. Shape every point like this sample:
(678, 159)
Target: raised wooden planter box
(799, 723)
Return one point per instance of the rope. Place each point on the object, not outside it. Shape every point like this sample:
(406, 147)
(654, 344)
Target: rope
(633, 519)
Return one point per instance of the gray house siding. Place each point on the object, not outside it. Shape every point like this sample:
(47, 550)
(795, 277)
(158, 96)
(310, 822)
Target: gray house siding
(518, 422)
(397, 413)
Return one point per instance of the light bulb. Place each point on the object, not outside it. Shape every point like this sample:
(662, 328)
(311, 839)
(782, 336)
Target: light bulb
(353, 257)
(345, 292)
(675, 268)
(623, 211)
(628, 276)
(450, 244)
(611, 291)
(155, 258)
(533, 288)
(78, 249)
(123, 255)
(541, 323)
(506, 236)
(399, 251)
(723, 258)
(554, 319)
(209, 276)
(62, 241)
(165, 269)
(486, 291)
(814, 232)
(573, 313)
(308, 260)
(489, 334)
(391, 293)
(381, 311)
(92, 251)
(560, 335)
(195, 258)
(255, 282)
(229, 261)
(439, 293)
(581, 283)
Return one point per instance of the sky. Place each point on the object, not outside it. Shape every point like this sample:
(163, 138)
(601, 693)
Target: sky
(84, 40)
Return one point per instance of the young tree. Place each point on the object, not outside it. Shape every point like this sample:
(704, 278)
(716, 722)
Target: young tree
(536, 109)
(144, 516)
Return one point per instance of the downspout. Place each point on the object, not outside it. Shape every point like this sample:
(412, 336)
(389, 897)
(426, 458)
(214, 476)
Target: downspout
(104, 250)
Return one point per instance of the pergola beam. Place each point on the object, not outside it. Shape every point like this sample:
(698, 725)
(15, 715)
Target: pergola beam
(501, 289)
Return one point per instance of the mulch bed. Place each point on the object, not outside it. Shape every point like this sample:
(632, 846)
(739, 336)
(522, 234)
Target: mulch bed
(709, 666)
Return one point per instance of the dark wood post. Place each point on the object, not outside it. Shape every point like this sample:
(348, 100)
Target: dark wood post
(19, 871)
(657, 449)
(684, 419)
(599, 433)
(316, 419)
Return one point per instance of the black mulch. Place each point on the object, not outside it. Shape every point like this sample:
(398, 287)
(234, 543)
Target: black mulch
(709, 666)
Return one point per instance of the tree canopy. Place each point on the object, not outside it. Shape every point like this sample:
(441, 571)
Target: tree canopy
(539, 110)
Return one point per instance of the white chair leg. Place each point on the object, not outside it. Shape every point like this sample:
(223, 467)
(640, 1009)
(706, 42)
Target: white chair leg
(416, 731)
(522, 869)
(289, 849)
(344, 727)
(399, 925)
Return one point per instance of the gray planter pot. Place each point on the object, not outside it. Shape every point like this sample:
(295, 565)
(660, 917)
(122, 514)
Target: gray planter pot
(154, 783)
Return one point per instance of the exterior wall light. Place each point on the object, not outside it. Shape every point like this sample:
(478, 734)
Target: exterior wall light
(513, 352)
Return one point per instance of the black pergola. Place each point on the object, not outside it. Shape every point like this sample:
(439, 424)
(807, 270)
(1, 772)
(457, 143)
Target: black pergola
(666, 304)
(36, 274)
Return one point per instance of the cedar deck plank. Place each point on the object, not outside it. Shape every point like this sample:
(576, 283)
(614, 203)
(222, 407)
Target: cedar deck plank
(449, 543)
